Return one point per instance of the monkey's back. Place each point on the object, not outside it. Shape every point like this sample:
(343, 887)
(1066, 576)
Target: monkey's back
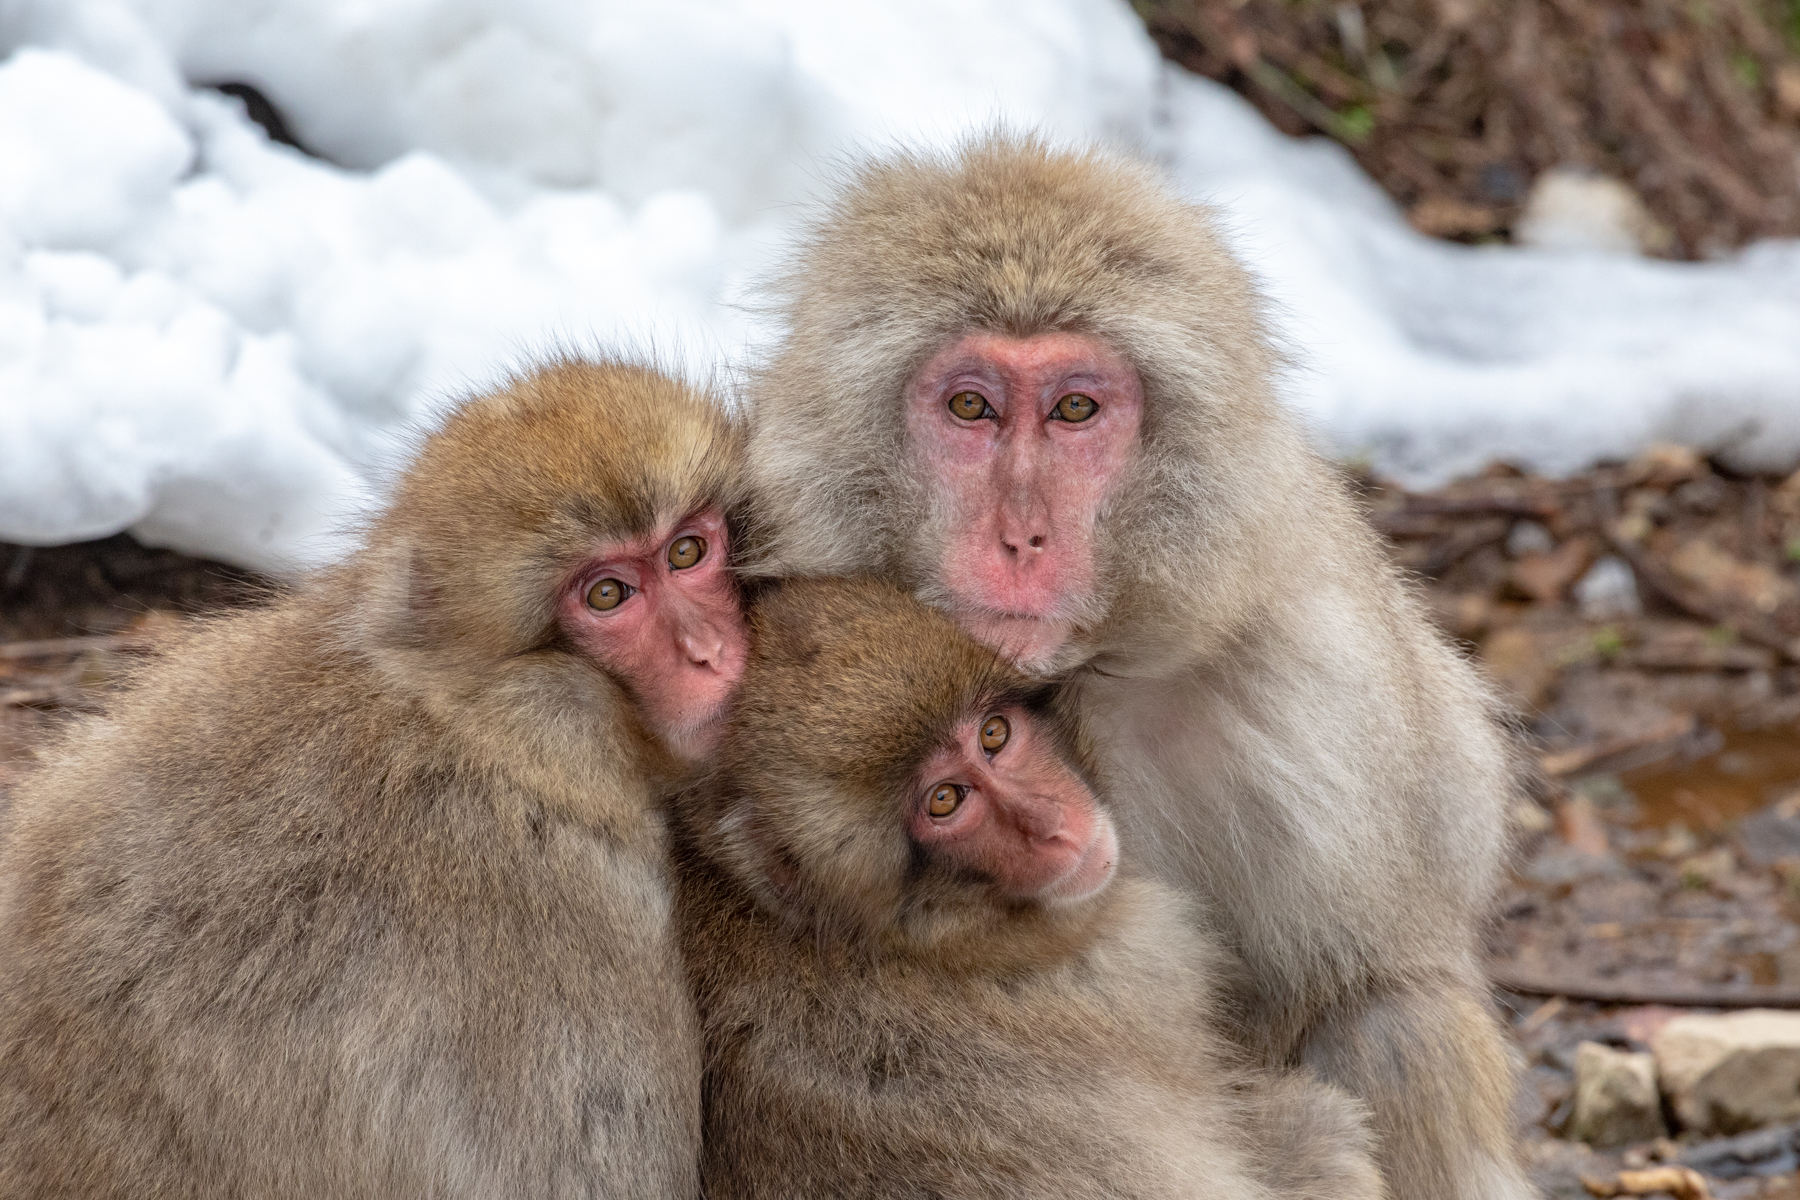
(271, 929)
(829, 1074)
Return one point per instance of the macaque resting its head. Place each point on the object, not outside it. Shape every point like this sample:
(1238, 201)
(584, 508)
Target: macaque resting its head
(1033, 386)
(918, 968)
(365, 893)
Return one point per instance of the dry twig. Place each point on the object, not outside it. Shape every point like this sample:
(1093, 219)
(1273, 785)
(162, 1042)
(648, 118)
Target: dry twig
(1683, 1183)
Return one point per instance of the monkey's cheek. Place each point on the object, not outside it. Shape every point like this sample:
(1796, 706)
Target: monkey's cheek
(1088, 877)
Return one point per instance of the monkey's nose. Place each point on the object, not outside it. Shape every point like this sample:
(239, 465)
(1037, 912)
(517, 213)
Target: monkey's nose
(706, 650)
(1023, 547)
(1039, 818)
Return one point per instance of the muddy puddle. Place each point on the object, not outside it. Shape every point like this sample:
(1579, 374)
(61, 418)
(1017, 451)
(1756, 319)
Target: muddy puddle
(1736, 773)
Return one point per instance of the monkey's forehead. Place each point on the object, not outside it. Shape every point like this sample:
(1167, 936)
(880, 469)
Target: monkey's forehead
(591, 448)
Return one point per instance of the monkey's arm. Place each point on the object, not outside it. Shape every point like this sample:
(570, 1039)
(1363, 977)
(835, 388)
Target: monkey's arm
(1427, 1057)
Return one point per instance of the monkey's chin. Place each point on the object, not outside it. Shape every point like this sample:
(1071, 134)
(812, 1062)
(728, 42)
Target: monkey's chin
(693, 742)
(1089, 877)
(1033, 644)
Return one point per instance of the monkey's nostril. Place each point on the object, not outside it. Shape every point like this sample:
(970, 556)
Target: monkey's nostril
(1037, 542)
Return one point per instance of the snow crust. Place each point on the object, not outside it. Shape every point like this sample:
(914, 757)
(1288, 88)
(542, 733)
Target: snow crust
(220, 343)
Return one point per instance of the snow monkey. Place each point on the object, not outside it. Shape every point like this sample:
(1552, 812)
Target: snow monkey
(916, 971)
(1034, 387)
(366, 893)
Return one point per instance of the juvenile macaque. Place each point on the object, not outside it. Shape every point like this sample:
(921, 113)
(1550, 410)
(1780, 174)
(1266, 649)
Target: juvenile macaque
(919, 967)
(1033, 388)
(365, 893)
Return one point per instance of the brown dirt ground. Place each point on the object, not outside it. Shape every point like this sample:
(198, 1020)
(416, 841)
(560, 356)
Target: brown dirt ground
(1659, 863)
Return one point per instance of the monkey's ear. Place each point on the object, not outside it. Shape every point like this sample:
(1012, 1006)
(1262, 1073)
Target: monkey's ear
(400, 604)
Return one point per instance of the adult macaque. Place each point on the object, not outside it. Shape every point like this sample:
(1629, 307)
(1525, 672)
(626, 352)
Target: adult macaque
(1034, 388)
(916, 972)
(365, 893)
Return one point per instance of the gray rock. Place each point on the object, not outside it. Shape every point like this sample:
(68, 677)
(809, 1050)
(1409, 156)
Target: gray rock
(1528, 537)
(1616, 1101)
(1559, 862)
(1609, 591)
(1731, 1072)
(1772, 833)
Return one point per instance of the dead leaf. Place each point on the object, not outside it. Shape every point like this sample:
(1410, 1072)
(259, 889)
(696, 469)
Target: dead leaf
(1546, 577)
(1446, 216)
(1522, 662)
(1787, 90)
(1642, 1022)
(1580, 826)
(1741, 584)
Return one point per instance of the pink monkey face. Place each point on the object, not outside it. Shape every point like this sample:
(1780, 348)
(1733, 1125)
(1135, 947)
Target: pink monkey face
(1000, 802)
(1023, 440)
(663, 614)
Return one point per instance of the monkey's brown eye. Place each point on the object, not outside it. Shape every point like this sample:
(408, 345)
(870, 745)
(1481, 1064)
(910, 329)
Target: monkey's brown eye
(994, 732)
(608, 594)
(968, 406)
(945, 799)
(686, 552)
(1076, 407)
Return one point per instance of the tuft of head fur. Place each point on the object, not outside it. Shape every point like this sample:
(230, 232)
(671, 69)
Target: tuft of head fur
(850, 686)
(1011, 236)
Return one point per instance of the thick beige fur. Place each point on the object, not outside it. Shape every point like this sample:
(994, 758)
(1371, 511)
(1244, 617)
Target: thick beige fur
(1279, 727)
(364, 894)
(880, 1023)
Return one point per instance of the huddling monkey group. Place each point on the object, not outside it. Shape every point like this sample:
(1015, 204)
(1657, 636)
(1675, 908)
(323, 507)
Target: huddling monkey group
(993, 760)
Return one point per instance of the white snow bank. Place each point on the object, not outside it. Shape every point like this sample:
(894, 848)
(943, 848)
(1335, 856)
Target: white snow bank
(216, 341)
(1429, 358)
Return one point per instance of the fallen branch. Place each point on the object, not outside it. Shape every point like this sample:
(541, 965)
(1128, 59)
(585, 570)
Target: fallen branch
(1619, 993)
(1695, 600)
(1683, 1183)
(1567, 762)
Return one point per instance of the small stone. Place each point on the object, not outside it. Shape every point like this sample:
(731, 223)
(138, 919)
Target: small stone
(1609, 591)
(1773, 833)
(1731, 1072)
(1558, 864)
(1616, 1101)
(1571, 209)
(1528, 537)
(1531, 819)
(1678, 842)
(1663, 465)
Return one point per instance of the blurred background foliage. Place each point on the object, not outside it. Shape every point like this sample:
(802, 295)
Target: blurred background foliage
(1456, 107)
